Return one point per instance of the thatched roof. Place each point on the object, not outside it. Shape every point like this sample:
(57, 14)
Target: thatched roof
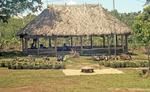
(74, 20)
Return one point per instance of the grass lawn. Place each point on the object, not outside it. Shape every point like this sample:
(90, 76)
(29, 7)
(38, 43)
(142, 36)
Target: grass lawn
(56, 81)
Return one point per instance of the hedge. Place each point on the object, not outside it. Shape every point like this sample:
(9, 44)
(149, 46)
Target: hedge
(124, 64)
(25, 64)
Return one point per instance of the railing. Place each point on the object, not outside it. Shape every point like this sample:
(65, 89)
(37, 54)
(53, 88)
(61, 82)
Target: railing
(85, 51)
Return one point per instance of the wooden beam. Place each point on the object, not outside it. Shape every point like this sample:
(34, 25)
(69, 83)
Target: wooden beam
(108, 42)
(50, 42)
(103, 41)
(71, 39)
(116, 40)
(22, 40)
(55, 43)
(38, 48)
(122, 42)
(81, 43)
(91, 41)
(126, 43)
(26, 43)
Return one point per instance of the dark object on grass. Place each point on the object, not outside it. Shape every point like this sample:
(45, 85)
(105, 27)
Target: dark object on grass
(125, 57)
(87, 70)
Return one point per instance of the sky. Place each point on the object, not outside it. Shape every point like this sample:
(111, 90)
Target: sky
(121, 5)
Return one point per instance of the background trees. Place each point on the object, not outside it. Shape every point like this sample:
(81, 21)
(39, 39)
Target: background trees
(142, 29)
(9, 8)
(13, 7)
(8, 38)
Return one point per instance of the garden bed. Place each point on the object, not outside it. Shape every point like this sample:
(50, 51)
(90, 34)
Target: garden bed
(32, 64)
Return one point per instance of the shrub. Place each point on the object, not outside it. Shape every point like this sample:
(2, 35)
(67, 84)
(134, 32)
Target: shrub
(4, 63)
(44, 66)
(24, 64)
(124, 64)
(19, 65)
(36, 66)
(59, 65)
(107, 64)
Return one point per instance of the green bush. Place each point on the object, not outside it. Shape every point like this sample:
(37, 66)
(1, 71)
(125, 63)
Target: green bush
(4, 63)
(107, 64)
(26, 64)
(58, 65)
(125, 64)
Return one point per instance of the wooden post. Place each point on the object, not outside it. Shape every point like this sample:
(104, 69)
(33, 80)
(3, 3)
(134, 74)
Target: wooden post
(71, 41)
(26, 45)
(55, 45)
(38, 49)
(91, 41)
(103, 41)
(108, 42)
(122, 43)
(81, 43)
(22, 40)
(126, 43)
(50, 42)
(116, 40)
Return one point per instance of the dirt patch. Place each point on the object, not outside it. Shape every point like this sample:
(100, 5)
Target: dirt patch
(4, 72)
(71, 72)
(129, 90)
(28, 89)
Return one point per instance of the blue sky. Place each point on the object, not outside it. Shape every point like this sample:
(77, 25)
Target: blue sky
(121, 5)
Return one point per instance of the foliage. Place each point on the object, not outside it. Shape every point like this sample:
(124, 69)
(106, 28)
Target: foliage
(142, 29)
(125, 64)
(142, 26)
(127, 18)
(147, 2)
(13, 7)
(8, 31)
(20, 63)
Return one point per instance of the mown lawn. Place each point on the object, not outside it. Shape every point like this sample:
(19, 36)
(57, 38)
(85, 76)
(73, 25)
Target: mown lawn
(56, 81)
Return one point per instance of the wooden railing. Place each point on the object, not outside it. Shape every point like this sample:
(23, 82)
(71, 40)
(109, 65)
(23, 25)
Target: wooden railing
(84, 51)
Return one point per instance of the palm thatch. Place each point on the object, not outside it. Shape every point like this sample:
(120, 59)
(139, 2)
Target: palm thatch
(74, 20)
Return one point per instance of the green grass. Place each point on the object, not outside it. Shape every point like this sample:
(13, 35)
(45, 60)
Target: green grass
(56, 81)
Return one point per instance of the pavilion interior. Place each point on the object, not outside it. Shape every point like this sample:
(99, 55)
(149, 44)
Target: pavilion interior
(85, 45)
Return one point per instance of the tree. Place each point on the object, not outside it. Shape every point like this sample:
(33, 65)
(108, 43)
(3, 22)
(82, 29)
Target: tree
(13, 7)
(8, 38)
(147, 2)
(142, 29)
